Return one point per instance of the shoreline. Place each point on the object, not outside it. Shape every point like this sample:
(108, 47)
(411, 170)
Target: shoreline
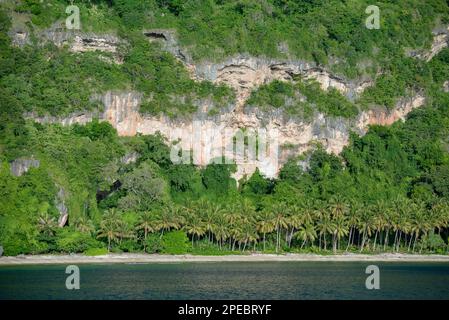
(131, 258)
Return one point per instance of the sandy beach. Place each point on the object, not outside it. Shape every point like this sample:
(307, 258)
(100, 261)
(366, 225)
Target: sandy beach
(157, 258)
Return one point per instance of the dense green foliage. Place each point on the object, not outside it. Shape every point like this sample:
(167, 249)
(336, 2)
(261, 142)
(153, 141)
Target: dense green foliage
(387, 191)
(301, 100)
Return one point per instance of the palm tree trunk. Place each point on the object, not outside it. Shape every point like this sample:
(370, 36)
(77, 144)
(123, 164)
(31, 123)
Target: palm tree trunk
(386, 239)
(325, 244)
(363, 242)
(410, 243)
(303, 243)
(399, 241)
(375, 240)
(334, 243)
(290, 237)
(349, 239)
(414, 242)
(277, 236)
(264, 241)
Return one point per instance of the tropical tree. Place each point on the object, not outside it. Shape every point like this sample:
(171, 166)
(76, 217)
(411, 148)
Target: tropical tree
(265, 224)
(148, 223)
(306, 233)
(47, 224)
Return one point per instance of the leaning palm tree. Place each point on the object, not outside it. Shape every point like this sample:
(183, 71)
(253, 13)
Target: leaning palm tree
(248, 235)
(306, 233)
(365, 227)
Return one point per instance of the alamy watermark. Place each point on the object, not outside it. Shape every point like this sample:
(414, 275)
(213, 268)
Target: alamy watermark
(373, 280)
(72, 22)
(373, 20)
(72, 282)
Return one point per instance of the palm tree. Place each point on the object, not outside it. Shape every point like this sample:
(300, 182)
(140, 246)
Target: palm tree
(294, 220)
(110, 230)
(306, 233)
(47, 224)
(340, 230)
(220, 230)
(265, 224)
(365, 227)
(194, 227)
(210, 215)
(168, 219)
(248, 235)
(353, 221)
(325, 226)
(147, 223)
(84, 225)
(280, 221)
(337, 206)
(378, 210)
(111, 226)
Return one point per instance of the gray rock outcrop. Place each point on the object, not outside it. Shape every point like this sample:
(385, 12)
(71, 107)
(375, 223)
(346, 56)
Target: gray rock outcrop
(22, 165)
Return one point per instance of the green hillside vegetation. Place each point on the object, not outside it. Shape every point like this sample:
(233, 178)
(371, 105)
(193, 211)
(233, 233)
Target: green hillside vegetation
(388, 191)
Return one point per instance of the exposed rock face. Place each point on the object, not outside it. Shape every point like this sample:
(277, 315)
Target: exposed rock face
(211, 136)
(440, 41)
(62, 208)
(76, 40)
(384, 117)
(446, 86)
(245, 73)
(131, 157)
(22, 165)
(169, 42)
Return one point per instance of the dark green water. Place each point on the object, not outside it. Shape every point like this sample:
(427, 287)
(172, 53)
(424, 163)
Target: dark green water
(228, 280)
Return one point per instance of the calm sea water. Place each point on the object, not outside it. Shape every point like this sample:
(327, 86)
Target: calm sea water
(228, 280)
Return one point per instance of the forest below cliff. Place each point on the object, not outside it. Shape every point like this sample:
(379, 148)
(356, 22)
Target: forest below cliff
(387, 190)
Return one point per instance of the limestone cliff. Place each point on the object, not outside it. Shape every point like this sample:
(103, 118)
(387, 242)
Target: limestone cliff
(121, 109)
(440, 41)
(244, 74)
(75, 40)
(22, 165)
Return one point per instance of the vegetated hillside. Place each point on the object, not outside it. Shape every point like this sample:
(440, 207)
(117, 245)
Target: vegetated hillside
(83, 188)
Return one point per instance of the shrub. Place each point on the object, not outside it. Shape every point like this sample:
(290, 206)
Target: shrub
(130, 246)
(154, 243)
(96, 251)
(433, 242)
(74, 241)
(175, 242)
